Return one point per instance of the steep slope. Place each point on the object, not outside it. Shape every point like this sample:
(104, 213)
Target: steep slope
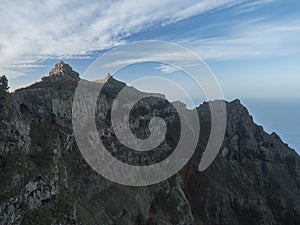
(45, 180)
(255, 179)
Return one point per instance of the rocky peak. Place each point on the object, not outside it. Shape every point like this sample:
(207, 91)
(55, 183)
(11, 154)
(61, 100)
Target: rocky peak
(105, 79)
(43, 178)
(60, 68)
(62, 72)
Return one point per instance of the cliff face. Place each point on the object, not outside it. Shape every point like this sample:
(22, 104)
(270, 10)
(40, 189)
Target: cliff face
(254, 180)
(44, 179)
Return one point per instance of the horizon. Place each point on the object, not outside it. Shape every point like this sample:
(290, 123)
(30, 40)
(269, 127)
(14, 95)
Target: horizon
(258, 108)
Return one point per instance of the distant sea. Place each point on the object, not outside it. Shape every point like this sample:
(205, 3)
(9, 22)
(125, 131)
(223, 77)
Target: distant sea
(280, 116)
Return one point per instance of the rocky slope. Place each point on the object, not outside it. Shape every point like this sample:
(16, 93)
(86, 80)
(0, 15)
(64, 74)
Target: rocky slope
(255, 179)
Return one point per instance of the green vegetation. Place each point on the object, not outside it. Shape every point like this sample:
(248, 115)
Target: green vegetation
(38, 216)
(55, 209)
(3, 86)
(13, 164)
(18, 168)
(3, 94)
(41, 146)
(41, 136)
(42, 159)
(166, 202)
(165, 206)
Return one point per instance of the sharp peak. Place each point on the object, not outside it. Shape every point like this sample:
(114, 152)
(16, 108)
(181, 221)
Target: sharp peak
(61, 72)
(108, 77)
(61, 68)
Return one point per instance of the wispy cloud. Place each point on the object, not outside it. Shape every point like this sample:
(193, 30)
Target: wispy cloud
(31, 31)
(250, 39)
(253, 5)
(167, 68)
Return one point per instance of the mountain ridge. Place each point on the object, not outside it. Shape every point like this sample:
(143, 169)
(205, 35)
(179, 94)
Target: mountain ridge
(255, 178)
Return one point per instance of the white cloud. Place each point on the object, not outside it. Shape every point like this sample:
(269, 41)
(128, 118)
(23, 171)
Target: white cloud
(31, 31)
(167, 68)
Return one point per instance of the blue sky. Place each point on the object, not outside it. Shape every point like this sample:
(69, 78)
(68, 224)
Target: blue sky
(247, 44)
(253, 47)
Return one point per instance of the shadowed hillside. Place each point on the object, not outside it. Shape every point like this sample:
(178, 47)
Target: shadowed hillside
(255, 179)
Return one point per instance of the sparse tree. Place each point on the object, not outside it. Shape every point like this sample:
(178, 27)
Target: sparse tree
(3, 94)
(3, 87)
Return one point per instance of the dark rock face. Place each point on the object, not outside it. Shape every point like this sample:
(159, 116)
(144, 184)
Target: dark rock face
(255, 179)
(44, 179)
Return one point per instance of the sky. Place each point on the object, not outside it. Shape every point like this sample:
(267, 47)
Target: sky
(252, 47)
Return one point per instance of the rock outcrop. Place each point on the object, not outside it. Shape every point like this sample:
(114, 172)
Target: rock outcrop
(61, 72)
(255, 179)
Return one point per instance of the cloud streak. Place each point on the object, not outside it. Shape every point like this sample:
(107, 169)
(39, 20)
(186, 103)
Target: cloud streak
(249, 39)
(253, 5)
(31, 31)
(167, 68)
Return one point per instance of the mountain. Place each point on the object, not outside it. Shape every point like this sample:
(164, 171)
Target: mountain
(44, 179)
